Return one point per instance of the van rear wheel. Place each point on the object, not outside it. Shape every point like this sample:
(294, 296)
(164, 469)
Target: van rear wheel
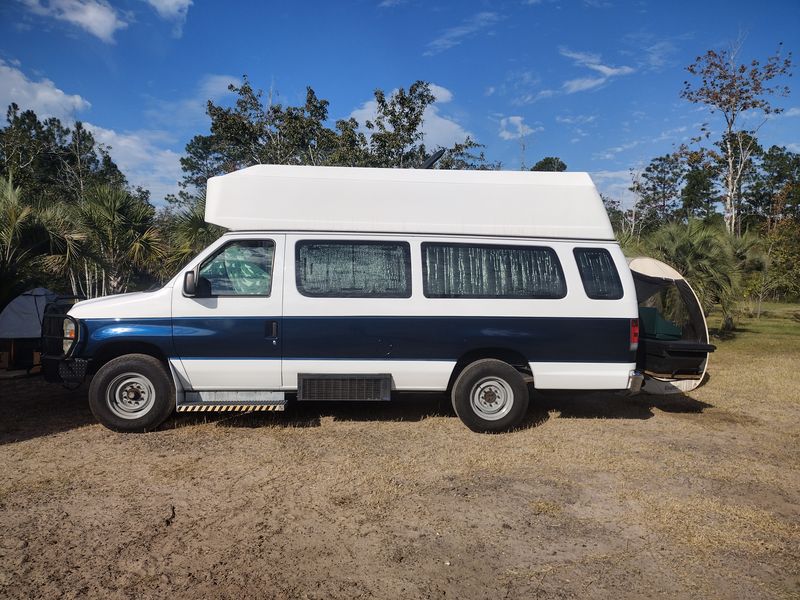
(490, 395)
(132, 393)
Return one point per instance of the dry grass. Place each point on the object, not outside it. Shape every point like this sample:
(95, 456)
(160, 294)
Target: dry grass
(598, 495)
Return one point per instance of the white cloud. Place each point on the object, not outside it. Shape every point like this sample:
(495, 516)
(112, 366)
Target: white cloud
(791, 112)
(575, 119)
(456, 35)
(583, 83)
(594, 62)
(143, 159)
(437, 129)
(524, 88)
(97, 17)
(390, 3)
(615, 184)
(172, 10)
(42, 96)
(612, 152)
(514, 127)
(442, 94)
(188, 113)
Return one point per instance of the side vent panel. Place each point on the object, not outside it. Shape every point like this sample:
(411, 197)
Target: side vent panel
(344, 387)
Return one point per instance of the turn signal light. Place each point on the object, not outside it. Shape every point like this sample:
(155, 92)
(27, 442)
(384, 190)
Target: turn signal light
(70, 333)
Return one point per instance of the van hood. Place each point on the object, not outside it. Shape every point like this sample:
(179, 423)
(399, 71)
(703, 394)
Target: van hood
(155, 304)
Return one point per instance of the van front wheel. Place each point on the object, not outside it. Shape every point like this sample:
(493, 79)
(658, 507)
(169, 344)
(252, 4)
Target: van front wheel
(132, 393)
(490, 395)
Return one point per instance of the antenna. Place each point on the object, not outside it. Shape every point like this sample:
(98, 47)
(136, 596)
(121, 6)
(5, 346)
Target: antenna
(431, 160)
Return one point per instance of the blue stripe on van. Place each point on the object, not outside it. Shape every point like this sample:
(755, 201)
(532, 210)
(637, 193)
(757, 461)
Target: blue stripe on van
(552, 339)
(546, 339)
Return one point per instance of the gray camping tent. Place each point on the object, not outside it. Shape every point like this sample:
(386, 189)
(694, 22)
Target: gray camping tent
(22, 318)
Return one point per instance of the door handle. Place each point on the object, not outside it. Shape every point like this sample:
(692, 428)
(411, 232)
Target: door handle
(272, 329)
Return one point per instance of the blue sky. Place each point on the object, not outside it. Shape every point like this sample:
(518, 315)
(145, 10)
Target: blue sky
(595, 82)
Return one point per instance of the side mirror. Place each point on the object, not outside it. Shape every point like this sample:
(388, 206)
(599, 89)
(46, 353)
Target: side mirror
(189, 284)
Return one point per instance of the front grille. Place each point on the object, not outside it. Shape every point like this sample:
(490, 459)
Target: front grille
(344, 387)
(53, 333)
(53, 326)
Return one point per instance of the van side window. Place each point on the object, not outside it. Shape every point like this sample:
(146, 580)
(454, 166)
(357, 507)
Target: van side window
(598, 273)
(240, 268)
(353, 269)
(490, 271)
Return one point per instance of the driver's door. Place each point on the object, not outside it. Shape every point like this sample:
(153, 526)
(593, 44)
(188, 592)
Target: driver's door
(228, 336)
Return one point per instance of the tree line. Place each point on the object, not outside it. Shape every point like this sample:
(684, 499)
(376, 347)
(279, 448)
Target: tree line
(70, 220)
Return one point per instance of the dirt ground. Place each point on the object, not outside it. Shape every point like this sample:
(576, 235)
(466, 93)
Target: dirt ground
(598, 496)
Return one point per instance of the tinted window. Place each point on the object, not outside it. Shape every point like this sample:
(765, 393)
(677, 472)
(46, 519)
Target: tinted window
(488, 271)
(241, 268)
(347, 269)
(598, 273)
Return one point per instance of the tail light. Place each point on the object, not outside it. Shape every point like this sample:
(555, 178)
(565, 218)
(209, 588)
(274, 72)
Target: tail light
(634, 334)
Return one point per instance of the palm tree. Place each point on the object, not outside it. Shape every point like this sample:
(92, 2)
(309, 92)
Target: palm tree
(16, 224)
(98, 243)
(121, 235)
(704, 255)
(188, 234)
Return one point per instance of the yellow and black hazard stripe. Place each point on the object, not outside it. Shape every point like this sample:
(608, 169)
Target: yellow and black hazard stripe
(228, 407)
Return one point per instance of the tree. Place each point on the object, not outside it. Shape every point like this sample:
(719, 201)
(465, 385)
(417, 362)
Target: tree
(51, 162)
(467, 155)
(704, 255)
(731, 88)
(254, 131)
(775, 191)
(100, 243)
(698, 195)
(187, 232)
(615, 213)
(658, 189)
(550, 163)
(396, 130)
(16, 221)
(783, 241)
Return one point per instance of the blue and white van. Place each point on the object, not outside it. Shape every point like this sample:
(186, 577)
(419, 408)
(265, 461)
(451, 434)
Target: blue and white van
(359, 284)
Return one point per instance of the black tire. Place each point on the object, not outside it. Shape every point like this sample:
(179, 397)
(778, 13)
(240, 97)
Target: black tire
(133, 392)
(490, 395)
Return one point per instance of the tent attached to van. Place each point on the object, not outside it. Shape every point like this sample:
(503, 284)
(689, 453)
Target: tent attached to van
(673, 334)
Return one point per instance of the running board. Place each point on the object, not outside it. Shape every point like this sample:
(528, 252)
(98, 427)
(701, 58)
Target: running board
(229, 401)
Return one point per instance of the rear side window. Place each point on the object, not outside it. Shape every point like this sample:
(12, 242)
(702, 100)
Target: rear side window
(353, 269)
(598, 273)
(490, 271)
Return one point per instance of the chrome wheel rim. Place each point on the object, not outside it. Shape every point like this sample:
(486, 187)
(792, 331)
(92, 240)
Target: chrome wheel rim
(130, 395)
(491, 398)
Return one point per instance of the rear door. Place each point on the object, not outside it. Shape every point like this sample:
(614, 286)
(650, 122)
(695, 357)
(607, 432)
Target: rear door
(673, 334)
(231, 339)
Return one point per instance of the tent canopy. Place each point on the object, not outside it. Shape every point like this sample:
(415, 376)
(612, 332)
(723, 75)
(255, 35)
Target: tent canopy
(22, 318)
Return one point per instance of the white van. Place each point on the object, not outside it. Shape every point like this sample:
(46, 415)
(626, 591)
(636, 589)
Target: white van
(355, 284)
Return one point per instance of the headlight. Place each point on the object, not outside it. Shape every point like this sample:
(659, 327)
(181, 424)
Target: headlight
(70, 333)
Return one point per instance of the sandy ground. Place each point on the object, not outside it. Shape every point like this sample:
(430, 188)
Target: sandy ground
(597, 496)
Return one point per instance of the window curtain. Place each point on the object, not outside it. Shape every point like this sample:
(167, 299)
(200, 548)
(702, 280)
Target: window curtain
(353, 270)
(454, 271)
(598, 273)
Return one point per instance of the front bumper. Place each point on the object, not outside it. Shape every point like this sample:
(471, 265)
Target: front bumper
(57, 369)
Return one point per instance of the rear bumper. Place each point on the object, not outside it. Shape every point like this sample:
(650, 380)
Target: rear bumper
(57, 369)
(635, 382)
